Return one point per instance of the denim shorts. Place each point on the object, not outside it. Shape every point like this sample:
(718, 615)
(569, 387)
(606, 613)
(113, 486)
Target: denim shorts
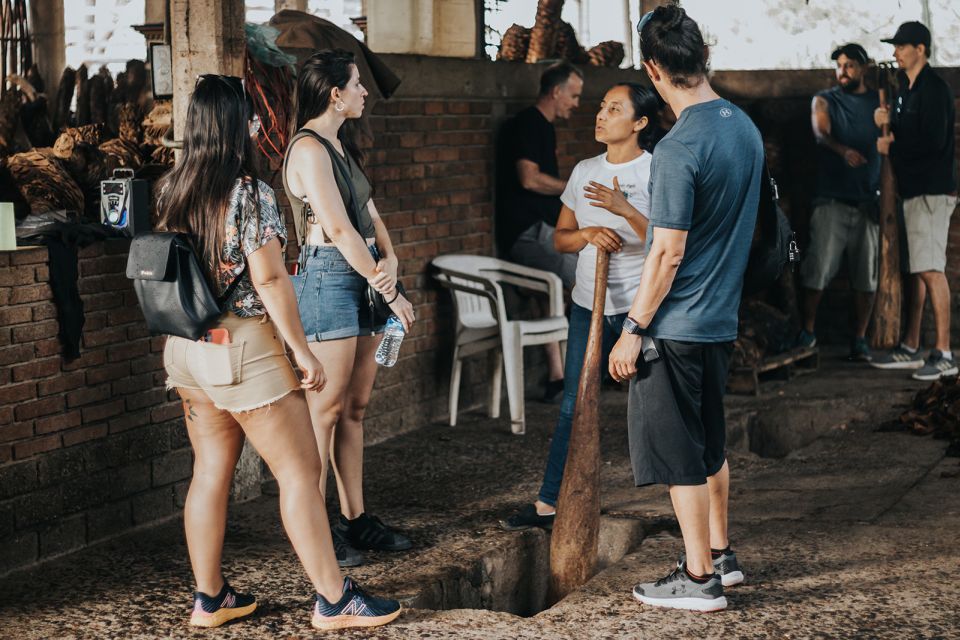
(332, 296)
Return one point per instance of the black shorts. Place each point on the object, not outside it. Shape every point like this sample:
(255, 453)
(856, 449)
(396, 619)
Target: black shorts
(675, 413)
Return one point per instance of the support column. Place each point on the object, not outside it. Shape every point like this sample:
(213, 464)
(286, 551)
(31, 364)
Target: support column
(49, 44)
(207, 37)
(429, 27)
(296, 5)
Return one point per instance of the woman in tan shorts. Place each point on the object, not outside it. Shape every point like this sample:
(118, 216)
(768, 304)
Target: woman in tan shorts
(237, 382)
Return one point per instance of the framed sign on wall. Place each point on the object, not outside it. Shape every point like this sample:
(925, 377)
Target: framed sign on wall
(161, 70)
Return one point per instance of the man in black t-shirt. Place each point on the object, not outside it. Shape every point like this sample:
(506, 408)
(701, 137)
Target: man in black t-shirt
(529, 188)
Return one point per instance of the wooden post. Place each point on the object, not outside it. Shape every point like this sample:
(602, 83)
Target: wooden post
(886, 313)
(576, 529)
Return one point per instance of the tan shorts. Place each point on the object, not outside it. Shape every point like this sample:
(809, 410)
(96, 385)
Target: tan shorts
(250, 372)
(927, 222)
(838, 229)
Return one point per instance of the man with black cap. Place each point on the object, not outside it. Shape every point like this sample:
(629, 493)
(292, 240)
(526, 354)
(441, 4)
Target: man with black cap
(921, 147)
(844, 218)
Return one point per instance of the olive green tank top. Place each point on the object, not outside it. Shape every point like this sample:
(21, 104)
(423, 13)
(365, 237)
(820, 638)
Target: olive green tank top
(344, 168)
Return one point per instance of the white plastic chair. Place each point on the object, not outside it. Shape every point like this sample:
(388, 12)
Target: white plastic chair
(482, 323)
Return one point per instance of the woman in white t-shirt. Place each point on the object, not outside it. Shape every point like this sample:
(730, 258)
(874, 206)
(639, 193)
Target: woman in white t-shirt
(605, 204)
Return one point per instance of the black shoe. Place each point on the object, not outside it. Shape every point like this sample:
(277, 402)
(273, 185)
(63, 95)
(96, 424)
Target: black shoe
(347, 556)
(553, 391)
(526, 518)
(369, 532)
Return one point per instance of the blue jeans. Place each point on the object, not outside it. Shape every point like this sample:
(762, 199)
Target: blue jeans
(576, 354)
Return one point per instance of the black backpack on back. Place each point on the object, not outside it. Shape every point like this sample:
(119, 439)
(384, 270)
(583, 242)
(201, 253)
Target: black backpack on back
(774, 242)
(173, 291)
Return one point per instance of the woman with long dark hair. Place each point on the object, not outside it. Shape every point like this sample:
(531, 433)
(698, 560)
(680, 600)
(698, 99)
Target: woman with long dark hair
(238, 382)
(341, 253)
(605, 205)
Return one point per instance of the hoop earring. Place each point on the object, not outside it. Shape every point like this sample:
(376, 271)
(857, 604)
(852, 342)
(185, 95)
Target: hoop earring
(340, 106)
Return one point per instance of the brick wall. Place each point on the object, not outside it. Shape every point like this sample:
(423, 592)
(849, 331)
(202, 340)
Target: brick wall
(96, 447)
(91, 447)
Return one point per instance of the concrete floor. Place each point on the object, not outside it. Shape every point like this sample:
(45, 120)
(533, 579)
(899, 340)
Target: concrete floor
(851, 534)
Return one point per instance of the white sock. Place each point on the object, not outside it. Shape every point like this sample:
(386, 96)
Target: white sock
(907, 349)
(947, 355)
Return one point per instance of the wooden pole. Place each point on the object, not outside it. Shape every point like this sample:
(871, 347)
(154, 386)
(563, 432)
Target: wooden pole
(886, 313)
(576, 529)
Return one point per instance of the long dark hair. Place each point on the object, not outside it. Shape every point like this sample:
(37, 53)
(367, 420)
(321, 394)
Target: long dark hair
(673, 40)
(646, 103)
(217, 150)
(319, 74)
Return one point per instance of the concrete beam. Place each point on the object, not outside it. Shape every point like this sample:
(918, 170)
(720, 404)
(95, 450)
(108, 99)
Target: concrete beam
(49, 44)
(445, 28)
(207, 37)
(296, 5)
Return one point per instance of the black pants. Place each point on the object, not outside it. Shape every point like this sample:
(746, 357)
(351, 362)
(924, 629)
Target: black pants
(675, 413)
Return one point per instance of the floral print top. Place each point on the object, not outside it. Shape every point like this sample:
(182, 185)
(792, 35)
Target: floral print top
(244, 236)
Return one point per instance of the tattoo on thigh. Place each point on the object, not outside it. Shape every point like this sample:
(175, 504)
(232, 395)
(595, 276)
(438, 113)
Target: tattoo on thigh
(191, 414)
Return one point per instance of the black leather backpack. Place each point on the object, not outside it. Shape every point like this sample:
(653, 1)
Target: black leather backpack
(774, 242)
(173, 291)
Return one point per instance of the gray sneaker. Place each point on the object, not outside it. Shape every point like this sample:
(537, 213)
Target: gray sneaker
(898, 358)
(678, 591)
(725, 566)
(935, 367)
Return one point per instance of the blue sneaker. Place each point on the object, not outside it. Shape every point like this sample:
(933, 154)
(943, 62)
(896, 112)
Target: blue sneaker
(355, 608)
(213, 611)
(859, 350)
(805, 339)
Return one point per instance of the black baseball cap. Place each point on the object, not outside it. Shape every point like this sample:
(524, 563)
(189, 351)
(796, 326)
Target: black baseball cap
(853, 51)
(910, 33)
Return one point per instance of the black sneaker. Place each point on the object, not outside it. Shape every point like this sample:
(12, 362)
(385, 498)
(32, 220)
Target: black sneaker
(213, 611)
(355, 608)
(369, 533)
(526, 518)
(553, 391)
(347, 556)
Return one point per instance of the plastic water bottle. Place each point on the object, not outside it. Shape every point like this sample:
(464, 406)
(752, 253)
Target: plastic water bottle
(389, 349)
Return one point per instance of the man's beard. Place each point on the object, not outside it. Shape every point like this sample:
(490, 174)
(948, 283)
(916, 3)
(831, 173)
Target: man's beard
(851, 86)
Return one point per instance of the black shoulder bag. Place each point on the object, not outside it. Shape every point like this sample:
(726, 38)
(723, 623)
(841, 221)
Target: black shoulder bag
(171, 287)
(379, 306)
(774, 242)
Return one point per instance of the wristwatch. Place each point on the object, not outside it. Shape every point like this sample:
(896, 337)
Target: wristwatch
(632, 326)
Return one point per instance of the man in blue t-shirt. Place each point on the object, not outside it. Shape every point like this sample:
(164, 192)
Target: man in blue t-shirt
(704, 189)
(845, 218)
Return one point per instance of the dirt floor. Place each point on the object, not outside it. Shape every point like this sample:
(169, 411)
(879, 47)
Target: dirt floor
(852, 534)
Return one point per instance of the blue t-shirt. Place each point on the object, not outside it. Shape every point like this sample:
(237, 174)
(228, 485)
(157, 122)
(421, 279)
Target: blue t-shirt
(851, 124)
(705, 179)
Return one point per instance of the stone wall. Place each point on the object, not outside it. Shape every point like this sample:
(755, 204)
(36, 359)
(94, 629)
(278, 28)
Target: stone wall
(96, 447)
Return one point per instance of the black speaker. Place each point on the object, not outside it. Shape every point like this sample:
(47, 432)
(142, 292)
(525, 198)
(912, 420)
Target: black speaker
(125, 204)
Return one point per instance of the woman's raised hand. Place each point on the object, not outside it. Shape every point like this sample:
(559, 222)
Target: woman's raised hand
(613, 200)
(602, 238)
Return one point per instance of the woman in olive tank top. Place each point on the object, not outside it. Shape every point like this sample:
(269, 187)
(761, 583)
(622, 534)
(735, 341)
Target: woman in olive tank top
(341, 253)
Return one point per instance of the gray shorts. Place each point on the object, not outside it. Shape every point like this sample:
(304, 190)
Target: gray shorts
(534, 248)
(837, 228)
(927, 222)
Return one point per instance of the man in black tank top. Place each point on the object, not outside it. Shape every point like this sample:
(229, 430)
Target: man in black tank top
(845, 213)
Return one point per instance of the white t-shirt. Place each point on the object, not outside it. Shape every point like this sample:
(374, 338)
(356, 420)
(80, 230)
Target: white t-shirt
(627, 264)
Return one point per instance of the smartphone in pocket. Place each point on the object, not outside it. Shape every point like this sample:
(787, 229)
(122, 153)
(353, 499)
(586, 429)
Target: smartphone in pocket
(217, 336)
